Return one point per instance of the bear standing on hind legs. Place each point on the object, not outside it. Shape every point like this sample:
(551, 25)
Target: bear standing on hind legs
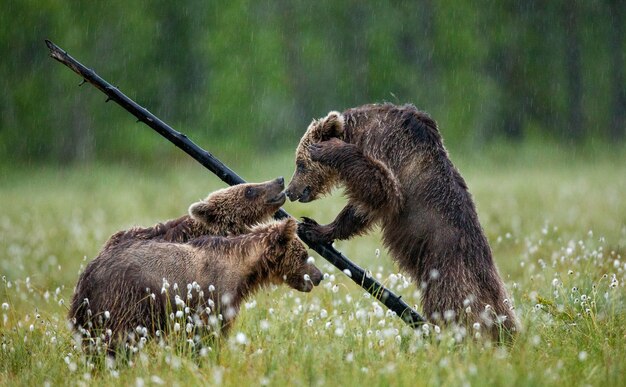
(396, 173)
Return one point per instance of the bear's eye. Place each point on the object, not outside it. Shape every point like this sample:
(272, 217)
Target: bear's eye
(249, 193)
(300, 167)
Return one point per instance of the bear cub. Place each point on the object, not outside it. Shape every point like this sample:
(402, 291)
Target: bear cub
(396, 173)
(136, 282)
(228, 211)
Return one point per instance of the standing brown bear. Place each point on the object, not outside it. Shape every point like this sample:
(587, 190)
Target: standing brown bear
(396, 172)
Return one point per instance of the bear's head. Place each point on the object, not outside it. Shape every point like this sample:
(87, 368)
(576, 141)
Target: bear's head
(241, 205)
(289, 262)
(312, 179)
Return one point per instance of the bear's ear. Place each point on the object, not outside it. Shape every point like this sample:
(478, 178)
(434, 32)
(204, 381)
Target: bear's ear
(285, 232)
(204, 212)
(331, 126)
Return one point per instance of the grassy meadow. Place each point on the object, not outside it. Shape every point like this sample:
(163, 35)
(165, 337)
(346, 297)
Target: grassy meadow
(556, 222)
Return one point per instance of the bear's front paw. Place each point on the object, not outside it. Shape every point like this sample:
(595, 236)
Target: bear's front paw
(314, 232)
(326, 151)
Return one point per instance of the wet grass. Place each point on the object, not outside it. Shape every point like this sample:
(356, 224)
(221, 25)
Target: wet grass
(556, 223)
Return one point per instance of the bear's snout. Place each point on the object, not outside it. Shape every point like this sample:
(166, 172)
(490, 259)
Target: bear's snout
(274, 194)
(303, 197)
(291, 194)
(314, 274)
(316, 277)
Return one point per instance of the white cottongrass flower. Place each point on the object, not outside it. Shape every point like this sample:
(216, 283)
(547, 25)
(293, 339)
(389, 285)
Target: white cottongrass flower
(240, 338)
(176, 327)
(582, 355)
(5, 306)
(166, 285)
(227, 298)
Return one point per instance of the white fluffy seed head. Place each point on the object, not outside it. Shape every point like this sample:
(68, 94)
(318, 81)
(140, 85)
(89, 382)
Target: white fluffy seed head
(241, 338)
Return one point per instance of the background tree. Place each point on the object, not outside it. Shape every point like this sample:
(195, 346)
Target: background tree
(247, 77)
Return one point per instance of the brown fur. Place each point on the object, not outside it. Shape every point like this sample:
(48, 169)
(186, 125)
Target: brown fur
(397, 173)
(229, 211)
(122, 279)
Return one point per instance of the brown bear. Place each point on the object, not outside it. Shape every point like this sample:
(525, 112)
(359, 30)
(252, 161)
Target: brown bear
(137, 286)
(229, 211)
(396, 173)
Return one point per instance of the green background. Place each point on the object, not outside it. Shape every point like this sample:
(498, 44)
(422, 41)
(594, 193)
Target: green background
(244, 78)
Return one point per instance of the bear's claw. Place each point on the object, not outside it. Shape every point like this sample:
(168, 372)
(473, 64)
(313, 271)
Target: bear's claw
(316, 151)
(312, 231)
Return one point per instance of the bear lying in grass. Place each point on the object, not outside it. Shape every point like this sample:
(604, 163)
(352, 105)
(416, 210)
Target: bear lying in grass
(396, 172)
(138, 284)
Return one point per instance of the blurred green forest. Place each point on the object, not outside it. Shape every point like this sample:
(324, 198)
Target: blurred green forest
(246, 77)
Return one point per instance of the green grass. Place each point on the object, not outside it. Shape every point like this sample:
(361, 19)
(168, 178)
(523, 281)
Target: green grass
(556, 223)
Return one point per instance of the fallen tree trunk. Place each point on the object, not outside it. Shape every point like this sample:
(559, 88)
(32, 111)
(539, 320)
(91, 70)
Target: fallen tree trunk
(356, 273)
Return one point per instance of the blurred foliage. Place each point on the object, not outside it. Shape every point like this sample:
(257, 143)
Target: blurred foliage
(246, 77)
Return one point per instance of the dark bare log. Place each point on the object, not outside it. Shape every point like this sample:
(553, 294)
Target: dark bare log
(356, 273)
